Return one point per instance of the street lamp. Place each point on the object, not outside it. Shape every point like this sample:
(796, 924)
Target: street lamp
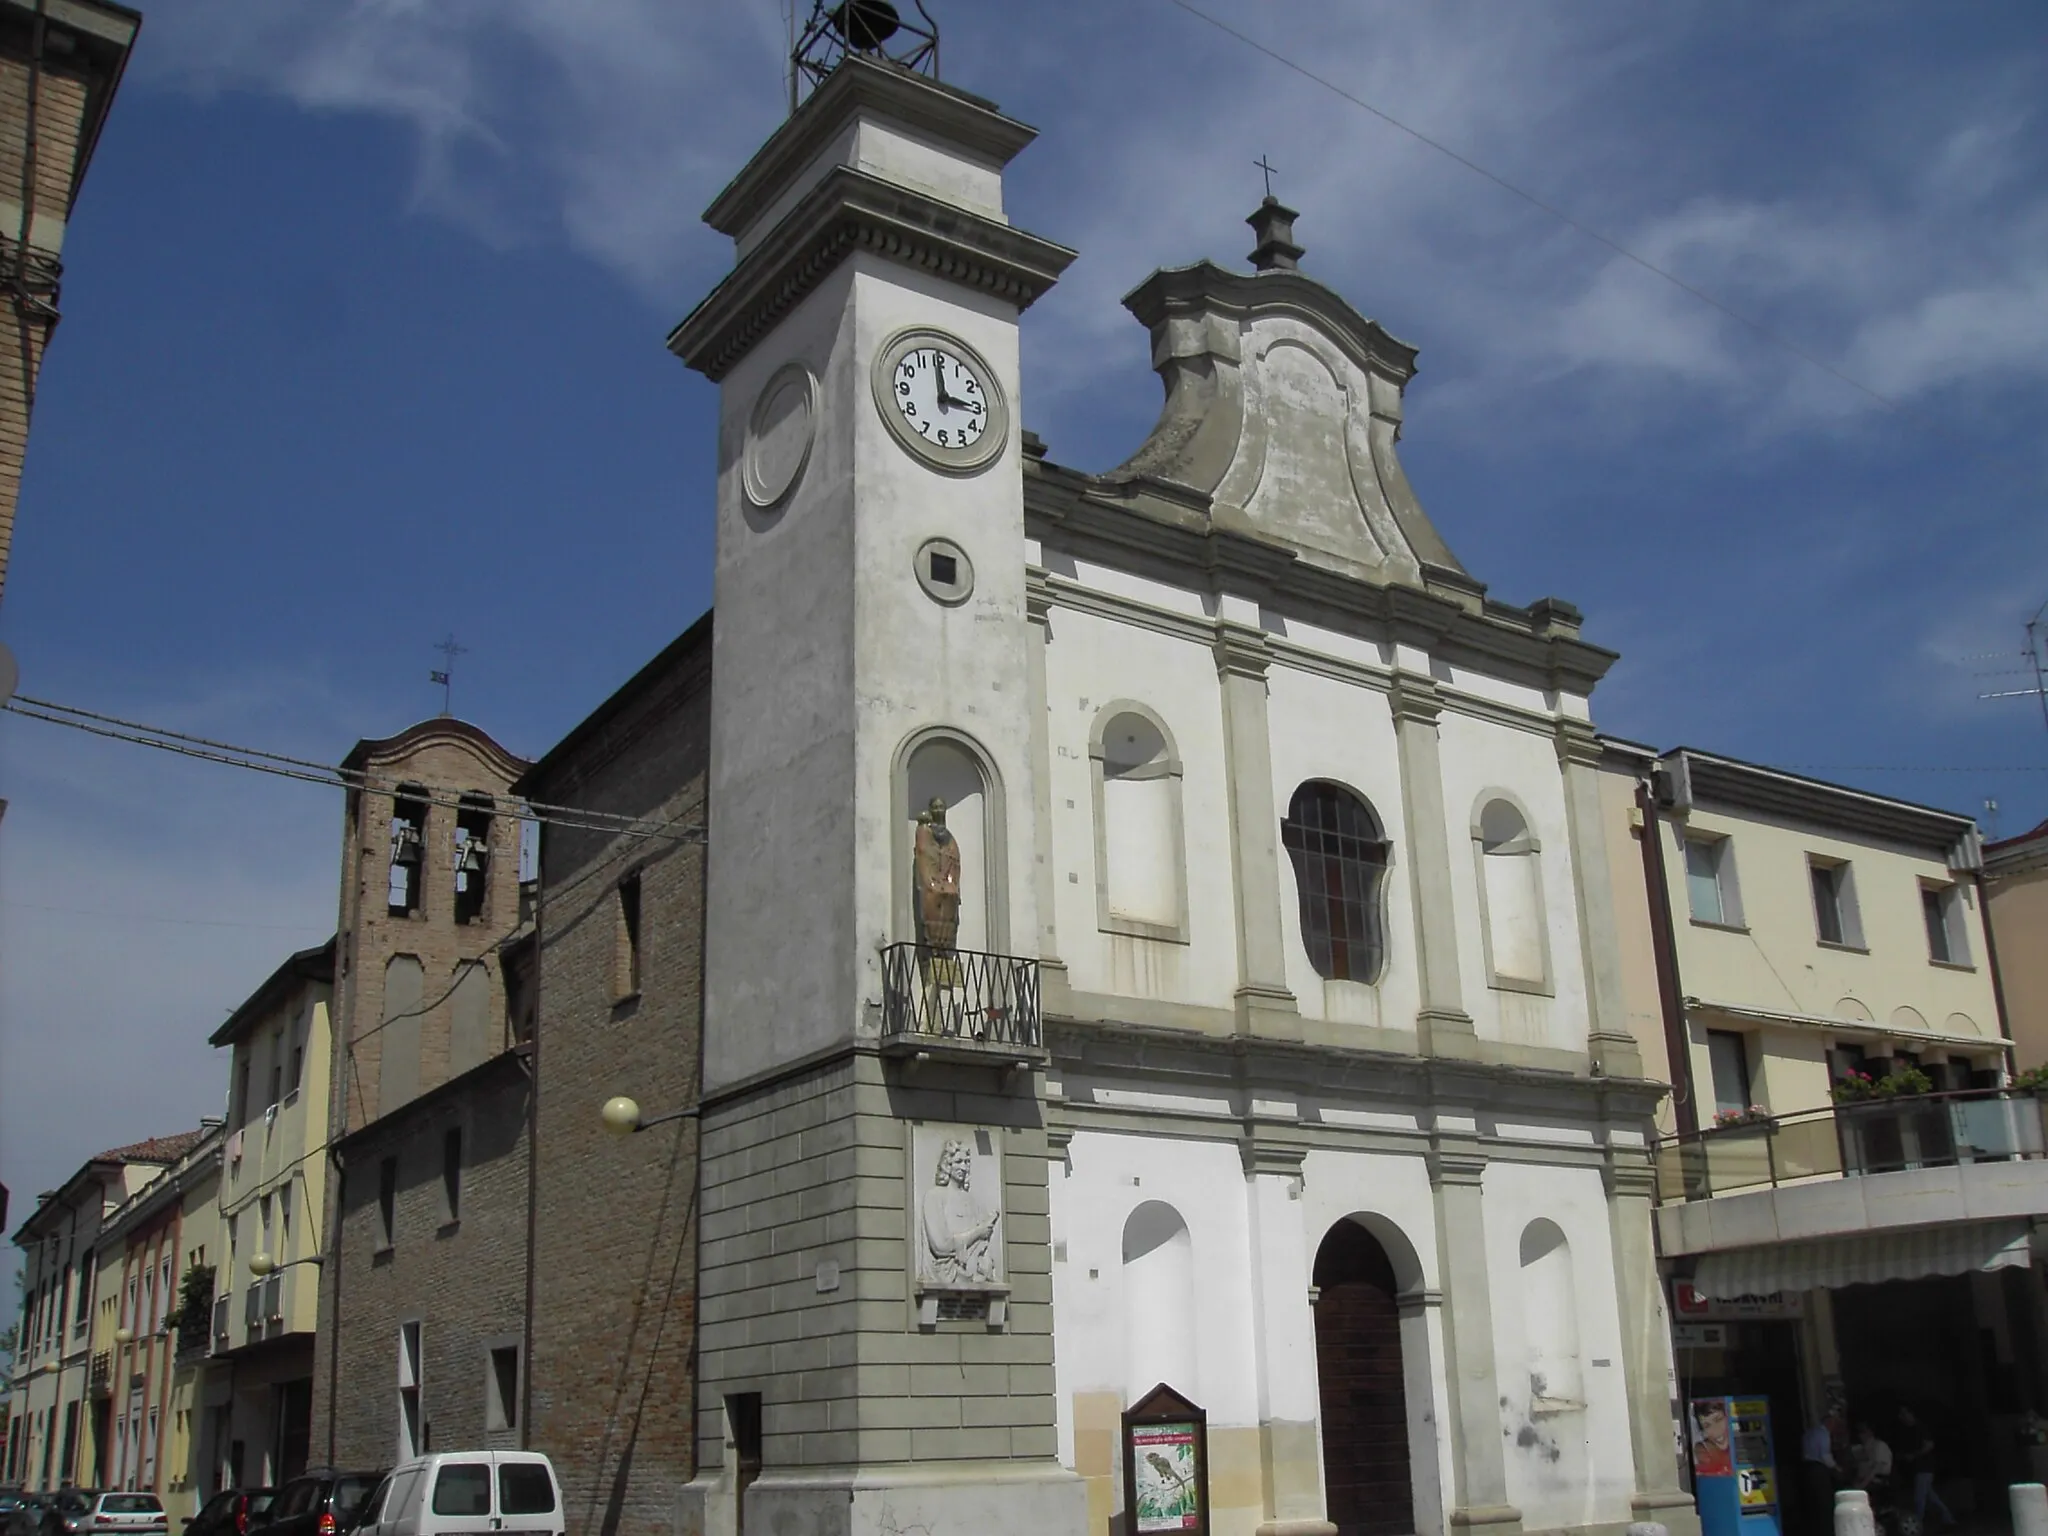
(621, 1116)
(261, 1264)
(124, 1335)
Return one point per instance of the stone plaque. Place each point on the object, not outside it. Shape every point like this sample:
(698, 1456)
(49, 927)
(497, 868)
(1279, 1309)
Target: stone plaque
(956, 1209)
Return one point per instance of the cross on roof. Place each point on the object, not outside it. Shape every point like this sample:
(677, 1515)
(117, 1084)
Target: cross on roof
(1269, 170)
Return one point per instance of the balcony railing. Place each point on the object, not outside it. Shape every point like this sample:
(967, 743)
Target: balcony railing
(101, 1383)
(986, 1004)
(1932, 1130)
(221, 1318)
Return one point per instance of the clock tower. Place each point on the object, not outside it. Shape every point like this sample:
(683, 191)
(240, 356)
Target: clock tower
(875, 1346)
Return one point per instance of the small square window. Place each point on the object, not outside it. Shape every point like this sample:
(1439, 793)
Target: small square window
(945, 569)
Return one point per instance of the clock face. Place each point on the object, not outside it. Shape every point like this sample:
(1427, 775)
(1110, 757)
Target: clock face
(941, 400)
(941, 397)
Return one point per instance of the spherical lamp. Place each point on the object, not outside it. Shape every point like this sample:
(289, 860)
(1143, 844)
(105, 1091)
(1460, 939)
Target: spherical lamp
(621, 1116)
(261, 1264)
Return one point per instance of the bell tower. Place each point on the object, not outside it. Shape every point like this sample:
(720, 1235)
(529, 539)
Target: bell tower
(876, 1331)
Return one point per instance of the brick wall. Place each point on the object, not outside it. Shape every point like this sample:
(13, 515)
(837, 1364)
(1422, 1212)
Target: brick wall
(615, 1253)
(70, 90)
(464, 1281)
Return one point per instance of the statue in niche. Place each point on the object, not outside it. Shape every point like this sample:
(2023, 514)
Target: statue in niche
(956, 1231)
(935, 879)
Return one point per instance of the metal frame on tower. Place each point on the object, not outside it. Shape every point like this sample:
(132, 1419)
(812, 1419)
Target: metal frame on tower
(873, 28)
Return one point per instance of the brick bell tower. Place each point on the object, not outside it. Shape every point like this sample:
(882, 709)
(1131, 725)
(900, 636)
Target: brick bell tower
(876, 1339)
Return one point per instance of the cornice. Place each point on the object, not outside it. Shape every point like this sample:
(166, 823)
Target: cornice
(861, 86)
(850, 211)
(1688, 777)
(1158, 539)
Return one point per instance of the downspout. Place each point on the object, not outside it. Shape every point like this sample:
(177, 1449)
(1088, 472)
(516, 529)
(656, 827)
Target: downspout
(1664, 946)
(334, 1253)
(540, 906)
(697, 1131)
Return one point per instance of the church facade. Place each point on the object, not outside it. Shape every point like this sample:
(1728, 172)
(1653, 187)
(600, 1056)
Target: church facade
(1163, 1050)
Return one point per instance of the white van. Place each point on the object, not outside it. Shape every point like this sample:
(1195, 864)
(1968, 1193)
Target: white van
(467, 1493)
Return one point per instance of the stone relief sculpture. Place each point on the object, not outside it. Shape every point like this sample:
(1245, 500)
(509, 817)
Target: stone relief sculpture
(957, 1237)
(935, 879)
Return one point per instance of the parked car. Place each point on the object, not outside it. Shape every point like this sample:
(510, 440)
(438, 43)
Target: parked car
(66, 1512)
(118, 1514)
(468, 1493)
(26, 1517)
(322, 1503)
(10, 1500)
(232, 1512)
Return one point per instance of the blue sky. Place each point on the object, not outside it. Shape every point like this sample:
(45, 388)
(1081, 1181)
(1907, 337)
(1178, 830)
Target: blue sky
(364, 304)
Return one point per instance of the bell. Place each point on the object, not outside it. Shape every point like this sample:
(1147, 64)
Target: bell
(864, 25)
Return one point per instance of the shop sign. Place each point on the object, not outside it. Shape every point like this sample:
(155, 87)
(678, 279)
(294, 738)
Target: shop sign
(1689, 1304)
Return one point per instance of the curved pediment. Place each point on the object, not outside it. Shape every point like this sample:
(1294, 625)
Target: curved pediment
(1283, 406)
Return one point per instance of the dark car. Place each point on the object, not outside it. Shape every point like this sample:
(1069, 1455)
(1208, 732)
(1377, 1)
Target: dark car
(67, 1512)
(25, 1516)
(322, 1503)
(232, 1512)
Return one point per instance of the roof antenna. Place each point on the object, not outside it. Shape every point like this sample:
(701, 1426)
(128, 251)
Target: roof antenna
(873, 28)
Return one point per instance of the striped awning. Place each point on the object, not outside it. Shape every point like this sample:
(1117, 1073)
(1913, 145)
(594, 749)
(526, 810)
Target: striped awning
(1868, 1258)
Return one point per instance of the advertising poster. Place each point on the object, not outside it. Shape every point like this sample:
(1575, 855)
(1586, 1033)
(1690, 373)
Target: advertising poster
(1709, 1423)
(1169, 1488)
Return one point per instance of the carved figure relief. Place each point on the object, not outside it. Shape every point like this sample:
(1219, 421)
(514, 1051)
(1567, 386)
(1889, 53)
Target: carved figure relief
(957, 1226)
(935, 878)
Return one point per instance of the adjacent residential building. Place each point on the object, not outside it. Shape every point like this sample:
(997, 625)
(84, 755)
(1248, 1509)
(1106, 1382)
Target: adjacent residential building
(1847, 1192)
(148, 1356)
(2016, 899)
(50, 1436)
(258, 1404)
(60, 63)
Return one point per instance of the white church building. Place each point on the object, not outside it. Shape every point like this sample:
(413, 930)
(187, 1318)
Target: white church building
(1244, 1018)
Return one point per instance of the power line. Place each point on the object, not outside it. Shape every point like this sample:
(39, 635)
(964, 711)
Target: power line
(151, 917)
(1909, 768)
(1536, 202)
(278, 765)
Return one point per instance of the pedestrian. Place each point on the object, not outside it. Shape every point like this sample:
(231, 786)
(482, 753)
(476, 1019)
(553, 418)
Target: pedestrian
(1916, 1458)
(1871, 1460)
(1819, 1471)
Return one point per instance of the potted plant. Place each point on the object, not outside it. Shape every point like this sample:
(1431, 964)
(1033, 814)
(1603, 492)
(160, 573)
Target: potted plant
(1861, 1087)
(1729, 1119)
(2033, 1080)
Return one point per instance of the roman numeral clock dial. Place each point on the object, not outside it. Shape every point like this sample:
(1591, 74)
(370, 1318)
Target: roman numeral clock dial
(941, 400)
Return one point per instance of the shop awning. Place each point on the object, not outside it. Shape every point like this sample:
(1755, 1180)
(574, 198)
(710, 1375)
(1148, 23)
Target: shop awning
(1869, 1258)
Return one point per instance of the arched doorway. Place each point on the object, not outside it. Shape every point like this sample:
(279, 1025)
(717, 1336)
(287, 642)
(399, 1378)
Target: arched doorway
(1366, 1472)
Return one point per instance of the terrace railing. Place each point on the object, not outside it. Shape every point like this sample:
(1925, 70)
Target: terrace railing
(959, 997)
(1929, 1130)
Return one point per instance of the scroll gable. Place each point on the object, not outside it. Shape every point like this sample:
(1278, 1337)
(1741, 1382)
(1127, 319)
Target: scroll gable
(1283, 406)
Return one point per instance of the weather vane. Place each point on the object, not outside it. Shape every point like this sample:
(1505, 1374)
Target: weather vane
(1270, 170)
(446, 677)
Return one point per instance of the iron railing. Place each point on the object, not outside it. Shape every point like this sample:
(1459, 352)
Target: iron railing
(1928, 1130)
(101, 1383)
(959, 995)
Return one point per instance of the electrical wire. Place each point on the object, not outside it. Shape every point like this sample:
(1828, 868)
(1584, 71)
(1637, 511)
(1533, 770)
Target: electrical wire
(279, 766)
(1536, 202)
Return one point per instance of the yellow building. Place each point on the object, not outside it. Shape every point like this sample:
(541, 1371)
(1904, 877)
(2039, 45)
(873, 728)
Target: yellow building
(254, 1421)
(2016, 894)
(1847, 1187)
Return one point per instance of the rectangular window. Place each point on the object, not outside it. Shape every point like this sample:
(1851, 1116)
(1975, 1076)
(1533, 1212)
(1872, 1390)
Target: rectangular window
(387, 1202)
(1728, 1055)
(284, 1221)
(276, 1068)
(263, 1217)
(501, 1390)
(78, 1318)
(451, 1175)
(1710, 881)
(1835, 917)
(626, 983)
(525, 1488)
(1947, 938)
(242, 1090)
(743, 1429)
(291, 1087)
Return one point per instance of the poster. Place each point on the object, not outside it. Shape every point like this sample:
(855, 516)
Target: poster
(1168, 1487)
(1709, 1426)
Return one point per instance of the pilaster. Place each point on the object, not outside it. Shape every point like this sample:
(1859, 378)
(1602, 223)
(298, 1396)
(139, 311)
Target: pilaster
(1052, 971)
(1478, 1496)
(1283, 1334)
(1264, 1004)
(1611, 1047)
(1645, 1346)
(1442, 1025)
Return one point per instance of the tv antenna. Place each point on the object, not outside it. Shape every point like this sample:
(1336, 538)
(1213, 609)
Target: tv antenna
(446, 675)
(873, 28)
(2034, 661)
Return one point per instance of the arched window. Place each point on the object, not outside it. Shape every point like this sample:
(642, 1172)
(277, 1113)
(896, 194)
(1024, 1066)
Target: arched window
(1550, 1319)
(1340, 857)
(1140, 865)
(1511, 897)
(1159, 1302)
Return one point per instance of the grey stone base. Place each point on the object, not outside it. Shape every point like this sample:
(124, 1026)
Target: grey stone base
(966, 1498)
